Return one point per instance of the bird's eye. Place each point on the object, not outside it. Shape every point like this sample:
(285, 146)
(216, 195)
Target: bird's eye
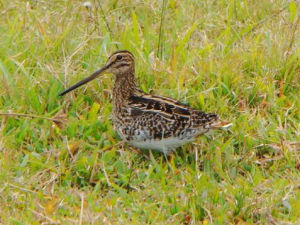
(119, 57)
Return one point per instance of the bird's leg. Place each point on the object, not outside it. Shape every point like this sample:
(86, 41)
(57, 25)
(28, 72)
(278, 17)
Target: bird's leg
(135, 149)
(169, 157)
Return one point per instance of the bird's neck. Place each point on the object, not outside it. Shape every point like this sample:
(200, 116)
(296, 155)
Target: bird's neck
(125, 86)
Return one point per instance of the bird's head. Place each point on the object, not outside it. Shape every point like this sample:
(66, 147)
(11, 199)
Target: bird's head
(119, 63)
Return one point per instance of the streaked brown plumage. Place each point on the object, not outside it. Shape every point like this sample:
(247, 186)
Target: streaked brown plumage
(149, 121)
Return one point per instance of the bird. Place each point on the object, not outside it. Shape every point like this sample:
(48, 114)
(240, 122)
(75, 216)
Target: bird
(149, 121)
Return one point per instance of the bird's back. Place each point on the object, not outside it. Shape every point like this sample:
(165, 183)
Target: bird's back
(159, 123)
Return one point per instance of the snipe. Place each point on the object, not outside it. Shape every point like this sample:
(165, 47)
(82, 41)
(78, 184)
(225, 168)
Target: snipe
(148, 121)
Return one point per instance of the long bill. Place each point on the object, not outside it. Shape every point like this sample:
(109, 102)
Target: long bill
(84, 81)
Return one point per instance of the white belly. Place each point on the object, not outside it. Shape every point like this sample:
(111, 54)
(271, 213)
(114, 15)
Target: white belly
(142, 139)
(166, 145)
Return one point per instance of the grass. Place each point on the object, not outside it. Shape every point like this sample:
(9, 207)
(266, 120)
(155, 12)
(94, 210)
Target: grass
(237, 58)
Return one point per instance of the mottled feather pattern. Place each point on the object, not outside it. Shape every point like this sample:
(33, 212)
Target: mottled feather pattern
(153, 117)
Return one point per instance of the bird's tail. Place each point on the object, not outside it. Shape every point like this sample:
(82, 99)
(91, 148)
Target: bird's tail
(221, 124)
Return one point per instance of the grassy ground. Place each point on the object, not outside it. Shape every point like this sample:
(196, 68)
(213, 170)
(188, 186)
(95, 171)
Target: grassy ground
(237, 58)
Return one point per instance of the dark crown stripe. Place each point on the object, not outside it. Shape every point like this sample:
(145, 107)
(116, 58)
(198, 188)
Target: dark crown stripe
(121, 51)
